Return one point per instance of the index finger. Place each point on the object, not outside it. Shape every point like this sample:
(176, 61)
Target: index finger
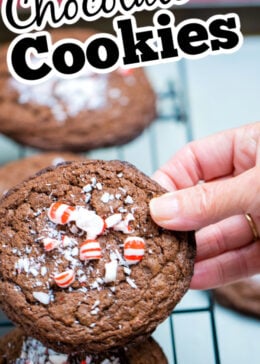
(216, 156)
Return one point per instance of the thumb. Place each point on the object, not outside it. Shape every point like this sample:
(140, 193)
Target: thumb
(195, 207)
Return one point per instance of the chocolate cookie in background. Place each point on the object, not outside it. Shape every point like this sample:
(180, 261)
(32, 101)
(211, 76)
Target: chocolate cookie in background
(79, 114)
(17, 171)
(17, 348)
(242, 296)
(83, 266)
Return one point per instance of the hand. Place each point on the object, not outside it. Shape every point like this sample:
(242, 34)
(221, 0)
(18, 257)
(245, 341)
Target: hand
(228, 163)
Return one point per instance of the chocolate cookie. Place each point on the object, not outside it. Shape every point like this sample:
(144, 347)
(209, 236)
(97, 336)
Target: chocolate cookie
(16, 171)
(82, 264)
(17, 348)
(90, 111)
(242, 296)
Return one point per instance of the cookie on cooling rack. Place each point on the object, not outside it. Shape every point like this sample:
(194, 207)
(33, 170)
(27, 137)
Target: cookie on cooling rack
(17, 348)
(17, 171)
(82, 264)
(242, 296)
(79, 114)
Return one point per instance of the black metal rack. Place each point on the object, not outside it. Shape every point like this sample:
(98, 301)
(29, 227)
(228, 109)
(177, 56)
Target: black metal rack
(208, 309)
(180, 114)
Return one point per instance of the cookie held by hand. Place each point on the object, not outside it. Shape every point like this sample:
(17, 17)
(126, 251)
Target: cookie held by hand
(83, 267)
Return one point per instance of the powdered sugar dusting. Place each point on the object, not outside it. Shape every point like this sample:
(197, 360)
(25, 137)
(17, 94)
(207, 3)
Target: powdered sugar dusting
(65, 97)
(34, 352)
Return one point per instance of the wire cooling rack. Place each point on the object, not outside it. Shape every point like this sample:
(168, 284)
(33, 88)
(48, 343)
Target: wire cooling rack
(193, 309)
(189, 335)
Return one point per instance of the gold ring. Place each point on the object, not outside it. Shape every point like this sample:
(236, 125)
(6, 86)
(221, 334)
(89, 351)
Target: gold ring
(253, 226)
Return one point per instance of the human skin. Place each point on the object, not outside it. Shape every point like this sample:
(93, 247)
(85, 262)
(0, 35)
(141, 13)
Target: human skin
(212, 184)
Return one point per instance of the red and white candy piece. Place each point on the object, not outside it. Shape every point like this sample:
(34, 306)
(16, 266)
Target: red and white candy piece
(65, 279)
(113, 220)
(50, 244)
(67, 241)
(123, 225)
(134, 247)
(61, 213)
(89, 250)
(90, 222)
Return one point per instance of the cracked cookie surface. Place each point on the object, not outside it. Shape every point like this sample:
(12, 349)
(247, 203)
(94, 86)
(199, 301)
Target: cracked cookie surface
(69, 300)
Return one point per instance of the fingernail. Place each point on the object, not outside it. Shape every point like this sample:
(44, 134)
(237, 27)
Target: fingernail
(164, 208)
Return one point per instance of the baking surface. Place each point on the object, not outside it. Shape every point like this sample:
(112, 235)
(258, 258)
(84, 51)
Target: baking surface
(195, 99)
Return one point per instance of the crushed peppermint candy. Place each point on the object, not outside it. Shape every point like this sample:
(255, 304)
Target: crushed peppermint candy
(96, 303)
(65, 97)
(34, 271)
(120, 258)
(42, 297)
(50, 244)
(99, 186)
(134, 247)
(22, 265)
(87, 188)
(123, 225)
(111, 271)
(113, 220)
(127, 271)
(131, 282)
(68, 242)
(87, 198)
(90, 250)
(90, 222)
(94, 181)
(61, 213)
(65, 279)
(33, 351)
(123, 190)
(112, 360)
(43, 271)
(77, 251)
(122, 209)
(95, 311)
(106, 197)
(129, 200)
